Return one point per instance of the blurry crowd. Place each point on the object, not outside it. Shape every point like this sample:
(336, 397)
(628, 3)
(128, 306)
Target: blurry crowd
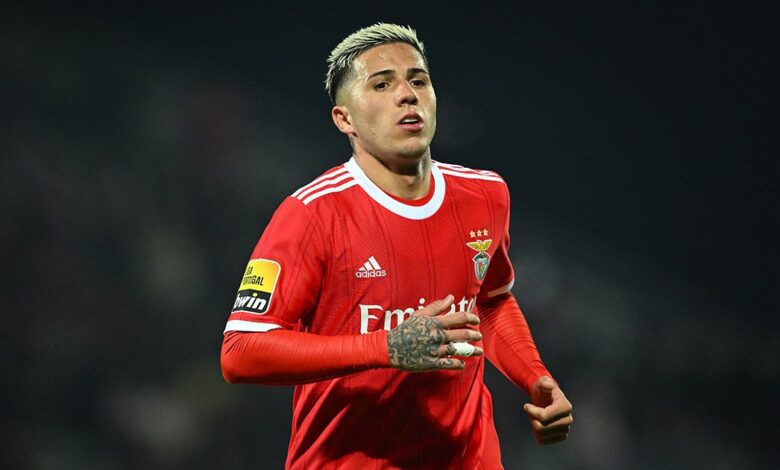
(132, 190)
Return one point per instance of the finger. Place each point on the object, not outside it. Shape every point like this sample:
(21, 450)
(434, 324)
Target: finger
(534, 411)
(466, 350)
(448, 363)
(458, 319)
(563, 424)
(453, 349)
(559, 409)
(554, 434)
(462, 335)
(550, 413)
(436, 307)
(553, 417)
(446, 350)
(566, 421)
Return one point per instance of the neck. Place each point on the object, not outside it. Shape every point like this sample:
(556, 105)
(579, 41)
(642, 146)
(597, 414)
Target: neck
(407, 181)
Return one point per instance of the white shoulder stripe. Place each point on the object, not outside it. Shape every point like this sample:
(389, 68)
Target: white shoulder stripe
(472, 176)
(243, 325)
(311, 189)
(502, 290)
(333, 189)
(449, 166)
(318, 179)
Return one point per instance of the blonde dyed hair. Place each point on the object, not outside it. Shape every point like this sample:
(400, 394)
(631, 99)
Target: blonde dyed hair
(342, 56)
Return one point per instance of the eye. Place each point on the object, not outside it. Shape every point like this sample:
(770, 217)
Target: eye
(418, 82)
(381, 86)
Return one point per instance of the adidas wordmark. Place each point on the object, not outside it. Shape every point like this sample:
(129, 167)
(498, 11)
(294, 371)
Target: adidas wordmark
(371, 269)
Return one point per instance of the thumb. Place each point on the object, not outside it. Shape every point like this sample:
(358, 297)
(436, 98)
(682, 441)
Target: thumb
(543, 391)
(546, 385)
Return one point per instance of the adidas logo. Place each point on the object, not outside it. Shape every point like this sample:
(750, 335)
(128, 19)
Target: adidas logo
(371, 269)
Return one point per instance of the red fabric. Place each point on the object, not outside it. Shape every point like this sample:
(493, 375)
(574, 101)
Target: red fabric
(352, 264)
(282, 357)
(508, 342)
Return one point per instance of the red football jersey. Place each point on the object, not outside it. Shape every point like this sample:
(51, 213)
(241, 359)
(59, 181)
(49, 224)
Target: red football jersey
(342, 257)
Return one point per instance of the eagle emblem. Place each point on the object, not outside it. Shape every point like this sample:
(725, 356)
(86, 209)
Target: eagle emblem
(481, 259)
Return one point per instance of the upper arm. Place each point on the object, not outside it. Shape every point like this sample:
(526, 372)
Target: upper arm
(282, 280)
(500, 276)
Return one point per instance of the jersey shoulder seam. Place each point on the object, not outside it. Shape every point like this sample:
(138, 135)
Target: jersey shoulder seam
(463, 172)
(332, 181)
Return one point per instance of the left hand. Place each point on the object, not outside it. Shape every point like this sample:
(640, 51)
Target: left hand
(550, 413)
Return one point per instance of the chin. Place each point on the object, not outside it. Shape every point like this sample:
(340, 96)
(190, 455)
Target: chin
(411, 156)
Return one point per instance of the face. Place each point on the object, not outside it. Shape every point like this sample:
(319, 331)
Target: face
(388, 105)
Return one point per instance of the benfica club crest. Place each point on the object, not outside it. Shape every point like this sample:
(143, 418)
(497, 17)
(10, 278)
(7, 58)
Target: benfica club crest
(481, 259)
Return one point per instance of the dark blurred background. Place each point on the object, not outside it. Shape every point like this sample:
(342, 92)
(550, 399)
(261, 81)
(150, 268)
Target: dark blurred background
(145, 147)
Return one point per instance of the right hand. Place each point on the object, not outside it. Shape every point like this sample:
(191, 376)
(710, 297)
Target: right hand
(424, 341)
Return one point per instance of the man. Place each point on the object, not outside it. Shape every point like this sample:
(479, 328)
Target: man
(337, 296)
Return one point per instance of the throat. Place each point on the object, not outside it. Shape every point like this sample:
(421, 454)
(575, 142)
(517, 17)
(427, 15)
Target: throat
(416, 198)
(406, 183)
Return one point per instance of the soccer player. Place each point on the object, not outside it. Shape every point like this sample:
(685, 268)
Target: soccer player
(376, 288)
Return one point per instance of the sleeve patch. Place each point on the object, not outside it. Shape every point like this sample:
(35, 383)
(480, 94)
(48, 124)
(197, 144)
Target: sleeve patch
(257, 286)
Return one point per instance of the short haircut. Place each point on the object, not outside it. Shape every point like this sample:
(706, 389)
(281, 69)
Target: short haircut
(342, 56)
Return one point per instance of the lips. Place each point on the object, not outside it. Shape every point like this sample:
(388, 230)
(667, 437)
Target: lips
(412, 122)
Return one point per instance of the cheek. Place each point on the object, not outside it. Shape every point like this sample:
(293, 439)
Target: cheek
(363, 108)
(432, 113)
(372, 119)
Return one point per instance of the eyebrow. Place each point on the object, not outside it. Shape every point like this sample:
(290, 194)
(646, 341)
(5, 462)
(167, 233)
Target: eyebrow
(389, 72)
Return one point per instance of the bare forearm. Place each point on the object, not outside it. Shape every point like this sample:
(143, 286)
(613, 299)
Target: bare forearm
(282, 357)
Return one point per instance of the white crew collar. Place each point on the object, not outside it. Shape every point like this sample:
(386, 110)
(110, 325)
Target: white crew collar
(395, 206)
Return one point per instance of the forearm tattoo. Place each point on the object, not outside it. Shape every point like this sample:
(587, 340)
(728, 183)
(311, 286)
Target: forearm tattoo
(414, 344)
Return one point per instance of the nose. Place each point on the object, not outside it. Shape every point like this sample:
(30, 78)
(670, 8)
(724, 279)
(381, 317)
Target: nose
(406, 94)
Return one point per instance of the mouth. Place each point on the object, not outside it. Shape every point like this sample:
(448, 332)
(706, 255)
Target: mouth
(412, 122)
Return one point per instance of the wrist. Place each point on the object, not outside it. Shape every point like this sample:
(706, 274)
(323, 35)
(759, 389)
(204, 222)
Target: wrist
(376, 349)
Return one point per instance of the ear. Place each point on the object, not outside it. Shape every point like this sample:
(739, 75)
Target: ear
(342, 120)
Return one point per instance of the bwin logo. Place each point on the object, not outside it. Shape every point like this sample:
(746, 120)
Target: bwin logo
(249, 302)
(252, 301)
(371, 269)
